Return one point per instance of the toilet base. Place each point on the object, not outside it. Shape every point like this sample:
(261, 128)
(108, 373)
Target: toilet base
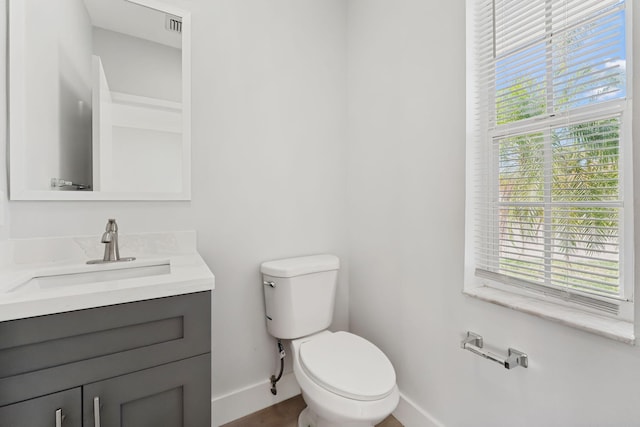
(308, 418)
(305, 420)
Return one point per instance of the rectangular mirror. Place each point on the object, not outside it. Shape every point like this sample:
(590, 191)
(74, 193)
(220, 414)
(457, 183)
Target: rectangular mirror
(99, 100)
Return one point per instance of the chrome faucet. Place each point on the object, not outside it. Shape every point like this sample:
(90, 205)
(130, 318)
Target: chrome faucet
(111, 249)
(110, 239)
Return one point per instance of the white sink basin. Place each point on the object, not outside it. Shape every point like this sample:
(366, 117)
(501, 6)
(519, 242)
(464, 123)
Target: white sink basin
(45, 276)
(98, 273)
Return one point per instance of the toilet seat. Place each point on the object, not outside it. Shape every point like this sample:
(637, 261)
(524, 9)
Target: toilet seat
(348, 365)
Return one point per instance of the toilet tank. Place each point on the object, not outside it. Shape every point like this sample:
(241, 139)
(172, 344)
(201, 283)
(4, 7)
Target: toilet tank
(299, 294)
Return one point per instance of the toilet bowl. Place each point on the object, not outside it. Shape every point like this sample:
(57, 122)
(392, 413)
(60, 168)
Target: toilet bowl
(346, 381)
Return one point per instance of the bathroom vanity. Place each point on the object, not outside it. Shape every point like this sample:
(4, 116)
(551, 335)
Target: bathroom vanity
(144, 363)
(108, 350)
(117, 343)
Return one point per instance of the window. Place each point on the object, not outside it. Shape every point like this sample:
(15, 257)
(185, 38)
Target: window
(549, 197)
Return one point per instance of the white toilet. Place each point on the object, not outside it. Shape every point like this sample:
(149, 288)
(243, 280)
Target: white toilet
(346, 381)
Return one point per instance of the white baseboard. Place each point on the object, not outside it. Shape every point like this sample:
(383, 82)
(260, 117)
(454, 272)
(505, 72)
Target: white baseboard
(250, 399)
(247, 400)
(411, 415)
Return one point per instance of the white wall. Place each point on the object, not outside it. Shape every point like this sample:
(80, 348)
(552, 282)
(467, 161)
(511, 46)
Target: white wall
(269, 165)
(139, 67)
(4, 184)
(270, 168)
(406, 199)
(58, 62)
(74, 96)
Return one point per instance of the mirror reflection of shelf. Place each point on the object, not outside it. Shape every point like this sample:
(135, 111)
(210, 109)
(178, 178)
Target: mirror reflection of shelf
(64, 184)
(146, 113)
(128, 128)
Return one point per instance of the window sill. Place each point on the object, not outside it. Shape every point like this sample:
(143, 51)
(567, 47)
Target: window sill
(618, 330)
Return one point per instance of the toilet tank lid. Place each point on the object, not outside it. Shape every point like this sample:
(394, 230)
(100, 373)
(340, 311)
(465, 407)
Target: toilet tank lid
(292, 267)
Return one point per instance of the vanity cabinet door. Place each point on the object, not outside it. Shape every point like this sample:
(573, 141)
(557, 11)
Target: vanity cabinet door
(177, 394)
(41, 411)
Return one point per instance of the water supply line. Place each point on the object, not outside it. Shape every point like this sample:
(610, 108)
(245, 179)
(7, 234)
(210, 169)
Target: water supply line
(274, 379)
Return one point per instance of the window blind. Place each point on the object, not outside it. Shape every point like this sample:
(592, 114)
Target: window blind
(550, 139)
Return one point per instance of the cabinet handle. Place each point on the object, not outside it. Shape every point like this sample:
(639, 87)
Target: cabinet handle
(59, 418)
(96, 411)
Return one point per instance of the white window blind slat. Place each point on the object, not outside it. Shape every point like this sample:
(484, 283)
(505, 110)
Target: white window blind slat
(550, 100)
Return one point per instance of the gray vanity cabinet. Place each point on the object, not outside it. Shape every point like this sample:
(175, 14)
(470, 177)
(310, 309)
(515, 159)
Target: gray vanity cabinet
(57, 409)
(171, 395)
(144, 364)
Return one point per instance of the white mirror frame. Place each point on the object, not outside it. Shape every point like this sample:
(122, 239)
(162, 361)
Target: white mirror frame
(18, 166)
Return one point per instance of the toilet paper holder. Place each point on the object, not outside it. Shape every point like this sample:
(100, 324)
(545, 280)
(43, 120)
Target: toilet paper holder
(474, 343)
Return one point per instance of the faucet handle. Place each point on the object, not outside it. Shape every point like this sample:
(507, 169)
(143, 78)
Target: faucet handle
(111, 225)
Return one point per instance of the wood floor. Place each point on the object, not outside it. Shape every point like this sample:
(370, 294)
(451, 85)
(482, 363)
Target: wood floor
(285, 414)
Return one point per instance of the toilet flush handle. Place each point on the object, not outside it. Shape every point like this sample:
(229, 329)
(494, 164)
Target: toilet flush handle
(269, 284)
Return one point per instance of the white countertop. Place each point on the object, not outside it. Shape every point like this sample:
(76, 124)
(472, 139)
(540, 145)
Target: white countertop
(23, 260)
